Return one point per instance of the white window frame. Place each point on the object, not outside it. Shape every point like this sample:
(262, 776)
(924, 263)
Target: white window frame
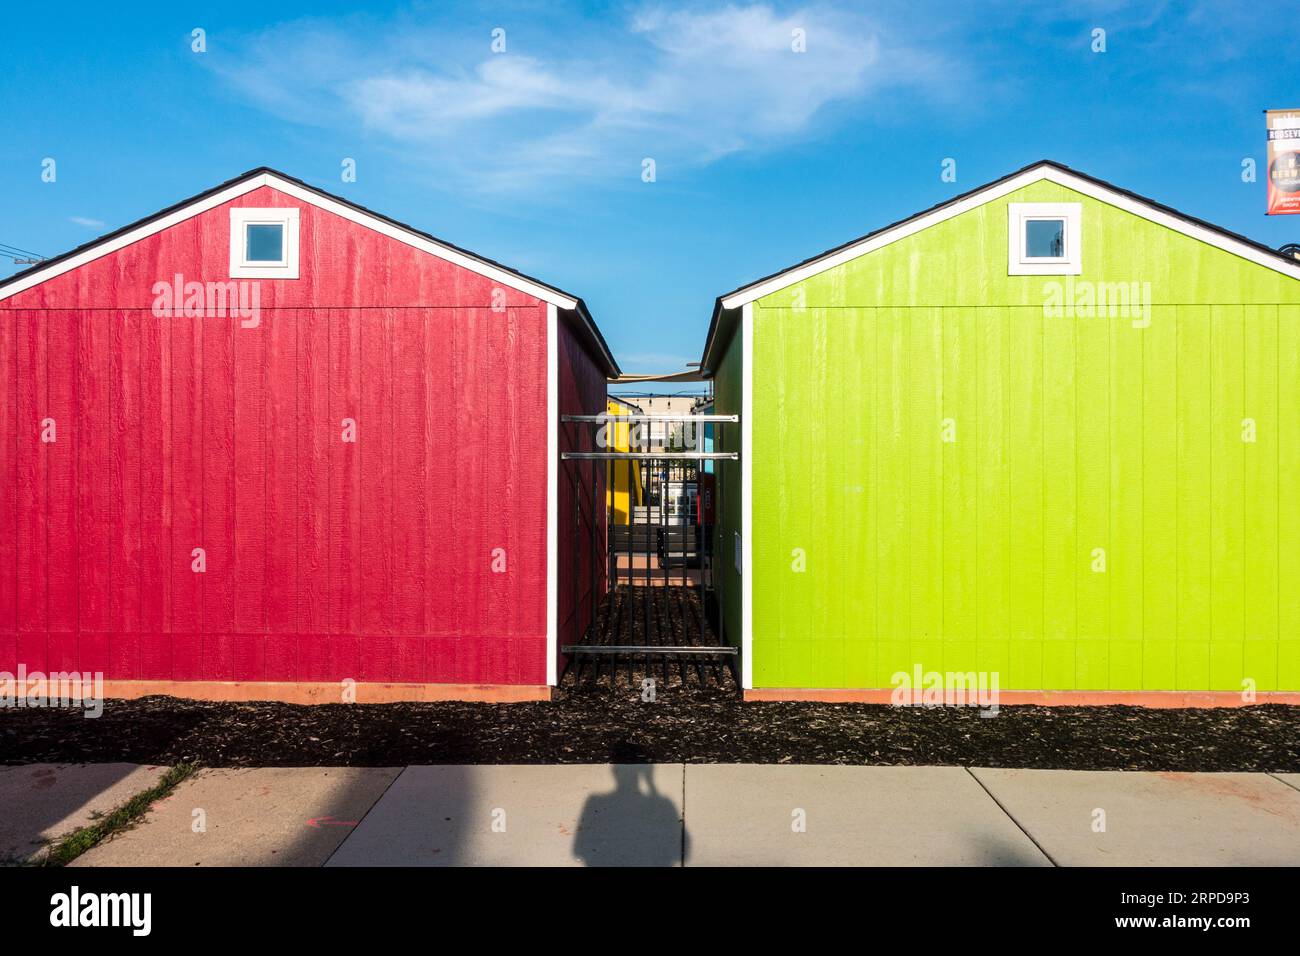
(1021, 264)
(240, 266)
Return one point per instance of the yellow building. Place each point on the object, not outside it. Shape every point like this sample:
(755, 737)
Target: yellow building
(623, 477)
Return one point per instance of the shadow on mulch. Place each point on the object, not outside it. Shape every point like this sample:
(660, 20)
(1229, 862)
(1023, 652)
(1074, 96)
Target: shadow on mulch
(684, 724)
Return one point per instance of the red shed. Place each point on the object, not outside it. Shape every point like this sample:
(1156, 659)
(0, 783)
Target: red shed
(267, 441)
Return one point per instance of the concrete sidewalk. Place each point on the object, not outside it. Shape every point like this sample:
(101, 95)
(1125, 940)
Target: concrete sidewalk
(1084, 818)
(44, 802)
(273, 816)
(712, 815)
(568, 815)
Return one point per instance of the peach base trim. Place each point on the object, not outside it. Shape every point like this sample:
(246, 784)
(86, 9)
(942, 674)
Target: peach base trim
(329, 692)
(1046, 698)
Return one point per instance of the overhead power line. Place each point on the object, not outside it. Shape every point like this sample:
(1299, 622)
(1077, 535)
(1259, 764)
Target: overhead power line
(19, 255)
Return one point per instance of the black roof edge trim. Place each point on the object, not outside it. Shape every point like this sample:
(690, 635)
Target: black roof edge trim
(1227, 233)
(264, 170)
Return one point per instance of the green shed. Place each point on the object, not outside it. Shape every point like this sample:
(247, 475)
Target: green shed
(1047, 433)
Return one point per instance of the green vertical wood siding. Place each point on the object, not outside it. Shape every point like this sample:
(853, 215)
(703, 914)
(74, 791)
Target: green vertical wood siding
(1071, 435)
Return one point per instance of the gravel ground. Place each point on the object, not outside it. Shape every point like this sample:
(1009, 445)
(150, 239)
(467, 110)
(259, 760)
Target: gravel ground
(684, 724)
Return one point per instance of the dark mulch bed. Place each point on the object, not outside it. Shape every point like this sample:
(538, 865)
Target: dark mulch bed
(691, 724)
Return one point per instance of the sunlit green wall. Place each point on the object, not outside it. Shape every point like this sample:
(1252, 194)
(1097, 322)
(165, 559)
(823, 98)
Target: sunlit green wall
(1074, 439)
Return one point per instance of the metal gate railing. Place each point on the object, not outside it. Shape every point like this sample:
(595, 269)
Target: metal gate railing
(665, 542)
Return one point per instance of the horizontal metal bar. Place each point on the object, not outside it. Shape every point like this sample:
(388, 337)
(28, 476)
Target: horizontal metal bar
(641, 649)
(601, 419)
(643, 455)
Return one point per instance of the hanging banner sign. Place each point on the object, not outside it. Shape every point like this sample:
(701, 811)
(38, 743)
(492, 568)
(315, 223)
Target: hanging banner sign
(1283, 162)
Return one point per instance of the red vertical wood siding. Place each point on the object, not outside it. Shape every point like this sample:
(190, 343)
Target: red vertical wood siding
(63, 598)
(582, 563)
(31, 504)
(9, 501)
(157, 503)
(325, 560)
(126, 496)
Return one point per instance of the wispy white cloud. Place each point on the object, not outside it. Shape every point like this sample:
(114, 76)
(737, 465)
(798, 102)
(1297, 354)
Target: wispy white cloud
(574, 101)
(88, 223)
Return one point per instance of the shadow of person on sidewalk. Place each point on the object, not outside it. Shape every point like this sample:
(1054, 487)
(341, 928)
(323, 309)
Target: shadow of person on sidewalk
(632, 825)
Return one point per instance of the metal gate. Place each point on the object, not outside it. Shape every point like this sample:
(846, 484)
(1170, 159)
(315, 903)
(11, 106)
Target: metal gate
(659, 617)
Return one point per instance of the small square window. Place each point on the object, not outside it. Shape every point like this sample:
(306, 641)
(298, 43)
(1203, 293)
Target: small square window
(1043, 238)
(264, 242)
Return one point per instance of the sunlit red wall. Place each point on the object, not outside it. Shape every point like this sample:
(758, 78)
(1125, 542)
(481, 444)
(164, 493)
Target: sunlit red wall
(325, 560)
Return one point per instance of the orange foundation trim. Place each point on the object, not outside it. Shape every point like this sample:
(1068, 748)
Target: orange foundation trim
(328, 692)
(1043, 698)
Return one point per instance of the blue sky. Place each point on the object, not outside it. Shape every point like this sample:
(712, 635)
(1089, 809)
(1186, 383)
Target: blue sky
(534, 156)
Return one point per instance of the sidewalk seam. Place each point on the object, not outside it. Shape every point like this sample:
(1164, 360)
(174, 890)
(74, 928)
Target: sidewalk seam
(1011, 817)
(1285, 783)
(397, 776)
(683, 843)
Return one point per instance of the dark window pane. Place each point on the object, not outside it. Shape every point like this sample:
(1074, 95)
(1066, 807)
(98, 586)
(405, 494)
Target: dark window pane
(265, 242)
(1045, 238)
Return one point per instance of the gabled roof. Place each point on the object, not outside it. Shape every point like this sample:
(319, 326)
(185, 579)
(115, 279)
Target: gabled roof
(265, 176)
(1045, 169)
